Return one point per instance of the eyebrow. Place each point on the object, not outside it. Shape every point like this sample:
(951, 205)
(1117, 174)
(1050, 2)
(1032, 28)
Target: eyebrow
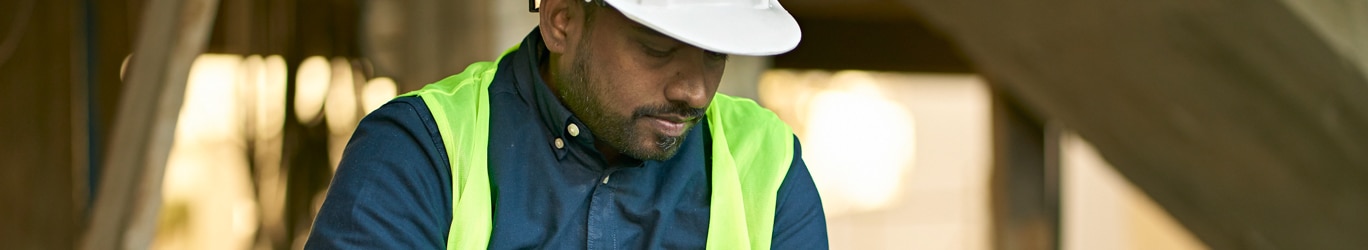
(648, 31)
(651, 32)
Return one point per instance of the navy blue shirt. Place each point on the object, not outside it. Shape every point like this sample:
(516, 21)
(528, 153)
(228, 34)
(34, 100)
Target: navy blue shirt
(393, 187)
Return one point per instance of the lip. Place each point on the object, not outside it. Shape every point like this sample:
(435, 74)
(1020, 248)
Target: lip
(672, 126)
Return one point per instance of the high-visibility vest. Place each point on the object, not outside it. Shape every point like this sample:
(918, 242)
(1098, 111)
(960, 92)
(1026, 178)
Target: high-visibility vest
(751, 153)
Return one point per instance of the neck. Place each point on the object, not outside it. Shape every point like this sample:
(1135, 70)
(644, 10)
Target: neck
(610, 154)
(548, 73)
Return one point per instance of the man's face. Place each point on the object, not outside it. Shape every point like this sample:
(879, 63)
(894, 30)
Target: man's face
(639, 91)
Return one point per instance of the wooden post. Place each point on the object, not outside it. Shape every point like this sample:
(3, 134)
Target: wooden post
(40, 62)
(172, 34)
(1025, 179)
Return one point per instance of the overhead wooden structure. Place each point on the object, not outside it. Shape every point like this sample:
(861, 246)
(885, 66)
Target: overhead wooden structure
(881, 35)
(1235, 116)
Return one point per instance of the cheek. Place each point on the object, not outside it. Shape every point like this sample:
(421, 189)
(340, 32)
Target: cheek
(714, 78)
(627, 84)
(618, 90)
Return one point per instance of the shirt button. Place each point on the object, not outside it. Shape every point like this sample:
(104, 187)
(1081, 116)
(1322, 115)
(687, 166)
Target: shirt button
(574, 130)
(559, 143)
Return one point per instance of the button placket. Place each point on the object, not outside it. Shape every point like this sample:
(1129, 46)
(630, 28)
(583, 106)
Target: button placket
(600, 234)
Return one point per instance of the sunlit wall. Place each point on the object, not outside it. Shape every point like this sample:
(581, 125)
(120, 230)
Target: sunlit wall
(224, 180)
(901, 160)
(1104, 211)
(207, 196)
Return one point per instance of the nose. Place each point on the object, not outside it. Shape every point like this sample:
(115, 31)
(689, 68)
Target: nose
(694, 81)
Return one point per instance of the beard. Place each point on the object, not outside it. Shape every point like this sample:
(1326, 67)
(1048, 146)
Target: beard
(586, 97)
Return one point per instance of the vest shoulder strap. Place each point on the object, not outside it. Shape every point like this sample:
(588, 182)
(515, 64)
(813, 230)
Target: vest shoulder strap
(752, 152)
(460, 107)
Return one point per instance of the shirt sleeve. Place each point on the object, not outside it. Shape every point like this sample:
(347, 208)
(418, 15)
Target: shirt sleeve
(799, 222)
(392, 188)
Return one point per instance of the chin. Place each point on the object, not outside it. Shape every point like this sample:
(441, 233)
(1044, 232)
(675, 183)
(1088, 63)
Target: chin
(657, 147)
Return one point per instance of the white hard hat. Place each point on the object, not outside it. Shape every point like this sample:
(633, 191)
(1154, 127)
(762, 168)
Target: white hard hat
(738, 27)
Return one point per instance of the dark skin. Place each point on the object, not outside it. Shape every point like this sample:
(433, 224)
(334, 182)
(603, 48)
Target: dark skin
(637, 90)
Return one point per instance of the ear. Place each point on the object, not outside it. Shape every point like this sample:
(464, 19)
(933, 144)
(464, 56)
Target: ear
(556, 24)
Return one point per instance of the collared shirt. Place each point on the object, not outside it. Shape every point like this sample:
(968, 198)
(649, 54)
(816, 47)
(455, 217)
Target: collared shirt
(552, 188)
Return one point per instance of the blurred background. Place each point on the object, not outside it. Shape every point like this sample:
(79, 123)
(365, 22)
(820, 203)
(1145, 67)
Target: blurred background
(969, 124)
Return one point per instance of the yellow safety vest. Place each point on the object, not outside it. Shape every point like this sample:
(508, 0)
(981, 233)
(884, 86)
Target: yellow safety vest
(752, 150)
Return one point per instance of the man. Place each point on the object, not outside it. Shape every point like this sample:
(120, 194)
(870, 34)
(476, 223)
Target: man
(602, 130)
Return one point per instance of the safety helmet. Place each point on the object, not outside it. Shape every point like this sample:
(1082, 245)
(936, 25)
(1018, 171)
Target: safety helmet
(737, 27)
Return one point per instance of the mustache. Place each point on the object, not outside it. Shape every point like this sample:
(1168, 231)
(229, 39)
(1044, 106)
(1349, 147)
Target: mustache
(683, 110)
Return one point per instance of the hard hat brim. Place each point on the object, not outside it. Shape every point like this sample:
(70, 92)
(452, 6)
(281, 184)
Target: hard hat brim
(728, 29)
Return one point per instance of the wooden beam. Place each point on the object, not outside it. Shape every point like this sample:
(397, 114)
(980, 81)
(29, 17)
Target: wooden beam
(851, 10)
(880, 45)
(1235, 116)
(172, 34)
